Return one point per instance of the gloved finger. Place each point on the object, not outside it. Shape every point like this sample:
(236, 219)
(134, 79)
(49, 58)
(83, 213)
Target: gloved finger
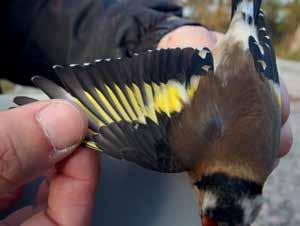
(36, 136)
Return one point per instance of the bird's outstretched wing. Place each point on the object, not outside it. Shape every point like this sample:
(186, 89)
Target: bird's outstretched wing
(264, 55)
(130, 102)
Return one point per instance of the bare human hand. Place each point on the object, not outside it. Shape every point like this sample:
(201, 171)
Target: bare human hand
(43, 138)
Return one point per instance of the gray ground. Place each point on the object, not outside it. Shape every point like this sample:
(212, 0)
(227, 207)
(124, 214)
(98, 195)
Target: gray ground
(164, 200)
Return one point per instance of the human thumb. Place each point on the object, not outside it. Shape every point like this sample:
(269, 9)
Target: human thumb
(34, 137)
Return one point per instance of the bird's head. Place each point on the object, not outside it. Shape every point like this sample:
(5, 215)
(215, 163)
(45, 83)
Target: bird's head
(228, 201)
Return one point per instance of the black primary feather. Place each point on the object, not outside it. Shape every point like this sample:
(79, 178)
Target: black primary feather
(21, 100)
(257, 9)
(263, 52)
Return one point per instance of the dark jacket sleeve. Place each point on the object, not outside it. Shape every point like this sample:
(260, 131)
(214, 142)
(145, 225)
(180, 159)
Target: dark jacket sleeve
(39, 34)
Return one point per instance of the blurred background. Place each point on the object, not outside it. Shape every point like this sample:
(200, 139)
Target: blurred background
(282, 191)
(283, 17)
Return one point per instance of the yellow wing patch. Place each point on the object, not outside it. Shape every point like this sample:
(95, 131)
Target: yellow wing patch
(92, 145)
(170, 97)
(150, 107)
(90, 115)
(106, 117)
(130, 105)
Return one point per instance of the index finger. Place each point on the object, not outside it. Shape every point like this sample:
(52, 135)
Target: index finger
(71, 192)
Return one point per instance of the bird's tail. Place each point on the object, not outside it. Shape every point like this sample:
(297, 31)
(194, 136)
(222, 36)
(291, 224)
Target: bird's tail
(250, 7)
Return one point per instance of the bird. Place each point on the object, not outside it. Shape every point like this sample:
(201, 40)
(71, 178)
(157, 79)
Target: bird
(213, 113)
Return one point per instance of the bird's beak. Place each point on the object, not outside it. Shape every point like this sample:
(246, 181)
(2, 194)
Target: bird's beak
(207, 221)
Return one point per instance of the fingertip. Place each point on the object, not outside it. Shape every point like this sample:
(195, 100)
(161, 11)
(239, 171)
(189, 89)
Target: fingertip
(286, 139)
(65, 125)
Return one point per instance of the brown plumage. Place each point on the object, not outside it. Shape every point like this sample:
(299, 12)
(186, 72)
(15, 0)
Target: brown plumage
(228, 106)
